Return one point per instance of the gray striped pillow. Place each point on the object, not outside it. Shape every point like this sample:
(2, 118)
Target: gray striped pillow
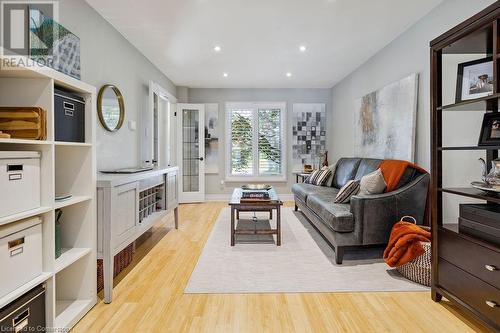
(347, 191)
(319, 177)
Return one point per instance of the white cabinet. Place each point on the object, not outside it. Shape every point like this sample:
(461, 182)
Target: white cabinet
(127, 206)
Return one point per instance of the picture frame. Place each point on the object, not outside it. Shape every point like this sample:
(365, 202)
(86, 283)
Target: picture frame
(490, 130)
(474, 79)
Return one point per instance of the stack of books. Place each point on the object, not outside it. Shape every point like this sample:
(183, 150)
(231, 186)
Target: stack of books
(253, 196)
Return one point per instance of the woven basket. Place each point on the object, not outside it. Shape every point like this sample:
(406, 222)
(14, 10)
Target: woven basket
(121, 261)
(419, 269)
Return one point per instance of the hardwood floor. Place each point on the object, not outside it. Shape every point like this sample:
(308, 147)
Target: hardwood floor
(148, 296)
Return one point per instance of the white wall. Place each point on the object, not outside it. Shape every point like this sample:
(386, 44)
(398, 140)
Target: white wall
(407, 54)
(108, 58)
(221, 96)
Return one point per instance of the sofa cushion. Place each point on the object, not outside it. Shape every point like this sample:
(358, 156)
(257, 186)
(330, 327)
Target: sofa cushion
(347, 191)
(337, 217)
(319, 177)
(408, 176)
(345, 171)
(303, 190)
(366, 166)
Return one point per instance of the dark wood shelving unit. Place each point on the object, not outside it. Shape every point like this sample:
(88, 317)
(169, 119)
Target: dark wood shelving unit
(462, 264)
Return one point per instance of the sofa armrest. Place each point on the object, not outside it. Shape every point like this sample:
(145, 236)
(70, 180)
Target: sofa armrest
(374, 215)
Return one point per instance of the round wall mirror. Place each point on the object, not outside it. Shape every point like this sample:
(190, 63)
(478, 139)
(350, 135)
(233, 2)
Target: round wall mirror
(110, 107)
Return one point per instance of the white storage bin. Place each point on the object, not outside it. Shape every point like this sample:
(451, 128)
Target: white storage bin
(19, 181)
(20, 253)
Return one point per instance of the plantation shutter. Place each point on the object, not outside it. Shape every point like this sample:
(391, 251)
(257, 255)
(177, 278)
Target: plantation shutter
(241, 141)
(269, 142)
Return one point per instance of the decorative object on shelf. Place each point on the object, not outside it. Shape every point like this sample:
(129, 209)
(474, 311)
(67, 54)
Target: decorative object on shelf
(69, 114)
(58, 233)
(4, 135)
(308, 168)
(325, 159)
(493, 177)
(121, 261)
(212, 138)
(385, 121)
(490, 130)
(256, 187)
(28, 123)
(63, 197)
(474, 79)
(52, 44)
(486, 187)
(308, 133)
(110, 107)
(19, 181)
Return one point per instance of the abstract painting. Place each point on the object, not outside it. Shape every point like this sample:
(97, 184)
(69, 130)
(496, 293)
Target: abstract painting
(212, 138)
(385, 121)
(308, 133)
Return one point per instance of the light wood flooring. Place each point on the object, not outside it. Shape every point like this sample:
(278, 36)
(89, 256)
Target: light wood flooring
(148, 296)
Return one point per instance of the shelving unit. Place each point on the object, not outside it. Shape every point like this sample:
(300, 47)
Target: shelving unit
(460, 262)
(66, 168)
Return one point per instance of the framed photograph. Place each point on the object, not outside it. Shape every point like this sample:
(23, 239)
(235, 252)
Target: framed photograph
(474, 79)
(490, 130)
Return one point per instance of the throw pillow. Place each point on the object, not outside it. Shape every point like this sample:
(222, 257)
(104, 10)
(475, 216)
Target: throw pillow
(372, 183)
(318, 177)
(329, 181)
(347, 191)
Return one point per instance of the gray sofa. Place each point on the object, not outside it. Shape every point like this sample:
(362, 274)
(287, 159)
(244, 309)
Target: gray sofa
(366, 220)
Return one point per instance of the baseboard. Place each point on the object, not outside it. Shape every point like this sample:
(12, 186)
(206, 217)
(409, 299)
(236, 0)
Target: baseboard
(227, 196)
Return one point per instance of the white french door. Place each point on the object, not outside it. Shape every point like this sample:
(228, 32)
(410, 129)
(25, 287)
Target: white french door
(191, 152)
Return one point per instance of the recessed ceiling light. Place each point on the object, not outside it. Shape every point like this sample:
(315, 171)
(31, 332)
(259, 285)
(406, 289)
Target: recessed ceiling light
(217, 48)
(302, 48)
(225, 74)
(288, 74)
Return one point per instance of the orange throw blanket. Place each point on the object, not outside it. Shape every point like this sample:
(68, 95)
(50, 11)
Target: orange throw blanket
(393, 170)
(404, 243)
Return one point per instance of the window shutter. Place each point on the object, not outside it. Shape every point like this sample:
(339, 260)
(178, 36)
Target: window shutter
(241, 141)
(269, 142)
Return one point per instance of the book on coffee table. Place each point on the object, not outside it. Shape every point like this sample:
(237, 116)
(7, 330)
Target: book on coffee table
(252, 196)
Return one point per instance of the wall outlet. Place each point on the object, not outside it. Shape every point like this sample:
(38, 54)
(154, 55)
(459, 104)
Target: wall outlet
(222, 182)
(132, 125)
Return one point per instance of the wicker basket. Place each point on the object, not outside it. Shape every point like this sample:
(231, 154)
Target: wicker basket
(121, 261)
(419, 269)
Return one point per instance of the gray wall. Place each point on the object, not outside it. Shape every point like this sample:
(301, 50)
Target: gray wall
(107, 57)
(407, 54)
(221, 96)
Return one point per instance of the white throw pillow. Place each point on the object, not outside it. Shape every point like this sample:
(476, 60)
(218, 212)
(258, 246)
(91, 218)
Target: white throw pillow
(372, 183)
(329, 181)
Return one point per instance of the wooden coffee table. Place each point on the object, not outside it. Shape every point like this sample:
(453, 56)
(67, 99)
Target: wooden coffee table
(255, 206)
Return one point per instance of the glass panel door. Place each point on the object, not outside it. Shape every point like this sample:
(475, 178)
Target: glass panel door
(192, 151)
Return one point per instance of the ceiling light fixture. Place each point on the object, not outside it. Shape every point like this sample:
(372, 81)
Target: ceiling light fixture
(302, 48)
(217, 48)
(225, 74)
(288, 74)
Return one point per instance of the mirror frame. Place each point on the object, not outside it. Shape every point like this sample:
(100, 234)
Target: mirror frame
(120, 103)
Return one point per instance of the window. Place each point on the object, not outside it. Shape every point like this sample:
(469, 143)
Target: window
(255, 141)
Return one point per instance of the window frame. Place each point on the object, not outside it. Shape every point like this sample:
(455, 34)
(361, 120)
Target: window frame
(255, 141)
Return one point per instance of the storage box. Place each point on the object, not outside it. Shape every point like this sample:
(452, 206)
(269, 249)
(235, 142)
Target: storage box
(481, 221)
(20, 253)
(69, 116)
(19, 181)
(25, 314)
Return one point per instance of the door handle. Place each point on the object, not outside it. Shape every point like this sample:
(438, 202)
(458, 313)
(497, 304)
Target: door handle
(201, 158)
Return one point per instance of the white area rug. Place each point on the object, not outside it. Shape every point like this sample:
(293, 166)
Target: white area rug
(303, 263)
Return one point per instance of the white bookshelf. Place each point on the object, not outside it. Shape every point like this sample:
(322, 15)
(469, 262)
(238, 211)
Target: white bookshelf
(66, 167)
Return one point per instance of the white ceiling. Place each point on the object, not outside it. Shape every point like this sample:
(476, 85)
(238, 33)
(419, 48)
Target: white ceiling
(260, 39)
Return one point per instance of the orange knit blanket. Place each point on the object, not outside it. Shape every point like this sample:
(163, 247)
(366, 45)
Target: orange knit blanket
(404, 243)
(393, 170)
